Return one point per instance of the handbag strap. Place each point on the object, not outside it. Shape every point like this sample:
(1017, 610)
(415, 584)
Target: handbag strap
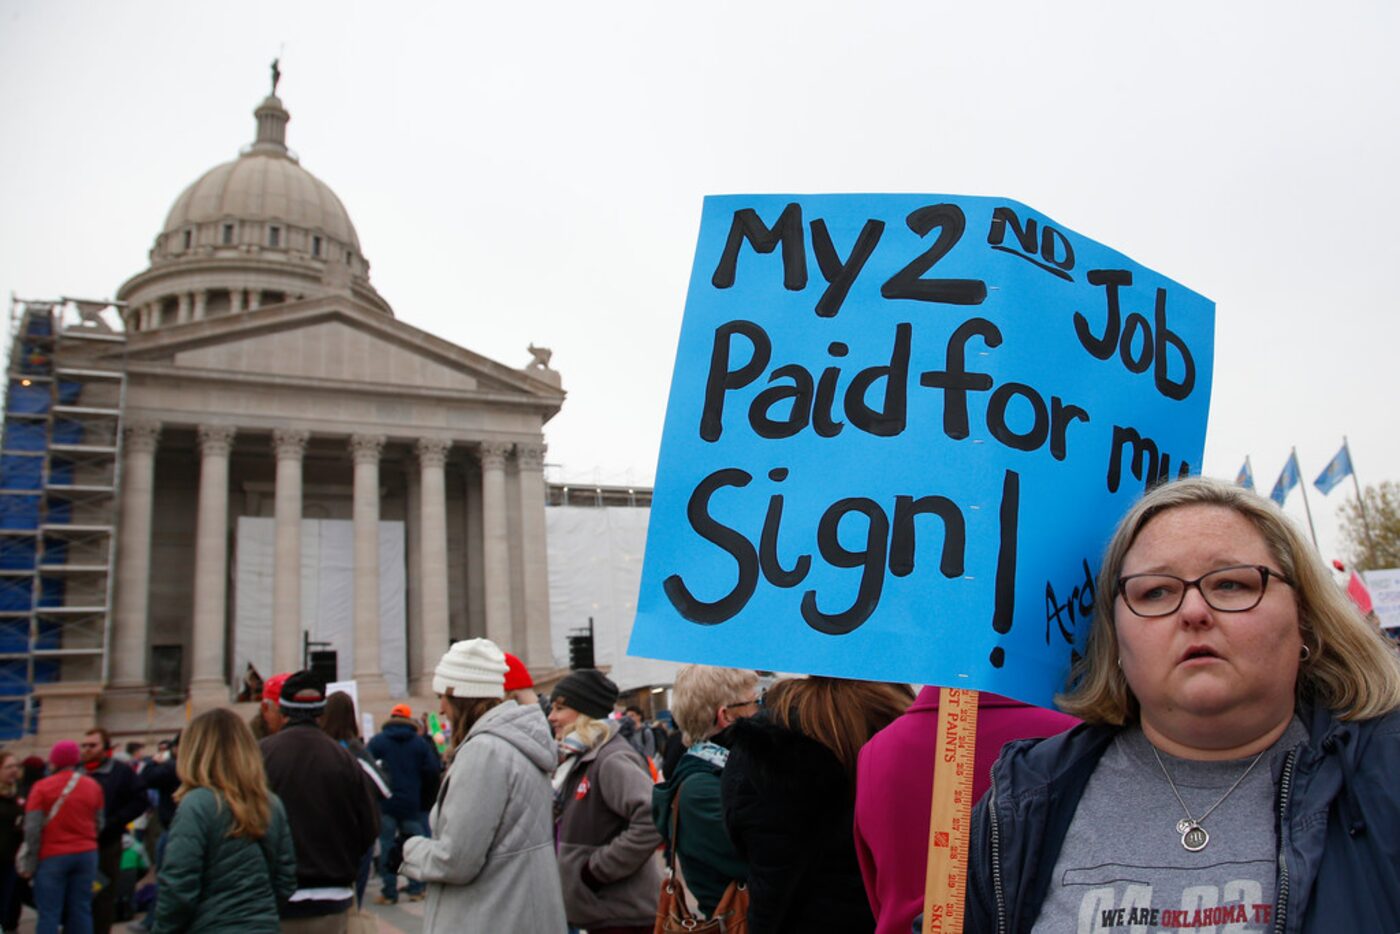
(673, 880)
(53, 811)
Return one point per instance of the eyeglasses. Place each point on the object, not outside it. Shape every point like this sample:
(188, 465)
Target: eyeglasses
(1232, 589)
(756, 702)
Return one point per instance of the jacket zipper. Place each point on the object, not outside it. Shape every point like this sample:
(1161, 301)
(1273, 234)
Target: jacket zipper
(996, 861)
(1285, 789)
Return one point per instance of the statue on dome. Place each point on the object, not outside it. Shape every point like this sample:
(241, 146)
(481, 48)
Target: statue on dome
(276, 76)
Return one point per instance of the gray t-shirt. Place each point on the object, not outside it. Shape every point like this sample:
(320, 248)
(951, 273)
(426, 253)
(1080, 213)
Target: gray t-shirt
(1123, 867)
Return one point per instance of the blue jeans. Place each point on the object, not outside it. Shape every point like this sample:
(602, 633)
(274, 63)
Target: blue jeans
(389, 827)
(63, 891)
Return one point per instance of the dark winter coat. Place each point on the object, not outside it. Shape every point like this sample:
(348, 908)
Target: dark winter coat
(124, 794)
(707, 858)
(1336, 800)
(11, 828)
(164, 780)
(329, 802)
(789, 808)
(211, 882)
(407, 761)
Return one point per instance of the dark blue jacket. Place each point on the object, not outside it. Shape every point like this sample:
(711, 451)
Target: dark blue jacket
(1336, 799)
(124, 794)
(407, 761)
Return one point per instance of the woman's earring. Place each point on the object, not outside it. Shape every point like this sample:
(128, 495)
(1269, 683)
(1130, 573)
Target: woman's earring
(1305, 653)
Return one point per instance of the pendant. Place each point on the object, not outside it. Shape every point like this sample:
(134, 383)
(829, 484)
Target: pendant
(1193, 836)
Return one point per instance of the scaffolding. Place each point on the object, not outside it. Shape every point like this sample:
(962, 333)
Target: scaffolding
(60, 456)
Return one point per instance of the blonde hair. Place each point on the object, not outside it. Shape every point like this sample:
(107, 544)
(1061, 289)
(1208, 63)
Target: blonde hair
(1351, 669)
(589, 731)
(699, 691)
(840, 714)
(217, 751)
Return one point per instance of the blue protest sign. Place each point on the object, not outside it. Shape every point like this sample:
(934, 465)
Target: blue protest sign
(900, 430)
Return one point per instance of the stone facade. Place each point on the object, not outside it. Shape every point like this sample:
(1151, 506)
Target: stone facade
(266, 377)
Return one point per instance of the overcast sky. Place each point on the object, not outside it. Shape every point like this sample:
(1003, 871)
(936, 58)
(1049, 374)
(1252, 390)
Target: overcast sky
(534, 172)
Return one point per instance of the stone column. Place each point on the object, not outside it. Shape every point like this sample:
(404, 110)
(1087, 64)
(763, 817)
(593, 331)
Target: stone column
(432, 533)
(290, 445)
(208, 687)
(235, 301)
(201, 301)
(496, 543)
(536, 650)
(128, 649)
(366, 450)
(182, 308)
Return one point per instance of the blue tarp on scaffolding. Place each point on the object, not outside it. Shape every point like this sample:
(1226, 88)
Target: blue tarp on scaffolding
(19, 511)
(60, 471)
(16, 553)
(14, 636)
(28, 400)
(38, 325)
(22, 435)
(67, 431)
(21, 472)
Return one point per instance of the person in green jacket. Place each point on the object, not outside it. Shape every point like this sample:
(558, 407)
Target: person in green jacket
(704, 702)
(229, 860)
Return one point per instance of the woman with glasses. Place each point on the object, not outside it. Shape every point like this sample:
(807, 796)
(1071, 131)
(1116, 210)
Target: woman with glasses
(705, 701)
(789, 797)
(1237, 765)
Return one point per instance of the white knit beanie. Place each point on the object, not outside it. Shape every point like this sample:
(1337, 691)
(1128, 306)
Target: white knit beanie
(472, 668)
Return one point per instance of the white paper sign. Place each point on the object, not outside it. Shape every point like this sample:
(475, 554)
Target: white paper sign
(1384, 584)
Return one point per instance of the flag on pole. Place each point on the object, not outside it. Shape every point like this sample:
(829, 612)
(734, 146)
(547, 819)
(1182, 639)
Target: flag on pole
(1356, 589)
(1245, 477)
(1336, 470)
(1287, 479)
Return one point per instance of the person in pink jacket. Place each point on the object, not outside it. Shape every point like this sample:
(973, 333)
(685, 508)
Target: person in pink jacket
(894, 795)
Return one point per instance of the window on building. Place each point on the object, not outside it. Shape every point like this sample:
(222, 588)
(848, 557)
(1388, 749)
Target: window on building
(166, 674)
(228, 235)
(274, 236)
(316, 246)
(189, 238)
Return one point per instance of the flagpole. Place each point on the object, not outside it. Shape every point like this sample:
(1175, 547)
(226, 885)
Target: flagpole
(1303, 485)
(1360, 501)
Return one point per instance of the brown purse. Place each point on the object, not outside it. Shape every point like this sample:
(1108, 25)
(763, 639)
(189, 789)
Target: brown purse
(673, 914)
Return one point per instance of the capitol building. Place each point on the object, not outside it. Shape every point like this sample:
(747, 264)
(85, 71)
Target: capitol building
(257, 462)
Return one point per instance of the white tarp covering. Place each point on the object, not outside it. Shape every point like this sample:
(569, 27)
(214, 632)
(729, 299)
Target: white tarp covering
(1384, 584)
(595, 569)
(327, 595)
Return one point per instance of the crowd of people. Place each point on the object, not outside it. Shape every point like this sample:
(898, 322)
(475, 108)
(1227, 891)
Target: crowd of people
(1222, 756)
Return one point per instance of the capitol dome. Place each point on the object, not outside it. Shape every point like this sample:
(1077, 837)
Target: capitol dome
(257, 231)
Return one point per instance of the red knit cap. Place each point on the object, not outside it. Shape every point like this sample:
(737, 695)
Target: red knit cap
(272, 687)
(517, 675)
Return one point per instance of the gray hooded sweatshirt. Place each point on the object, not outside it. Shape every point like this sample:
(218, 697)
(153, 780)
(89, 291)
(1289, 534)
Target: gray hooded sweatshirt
(490, 863)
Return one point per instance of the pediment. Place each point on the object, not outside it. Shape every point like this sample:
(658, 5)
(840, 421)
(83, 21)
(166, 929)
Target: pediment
(334, 344)
(327, 350)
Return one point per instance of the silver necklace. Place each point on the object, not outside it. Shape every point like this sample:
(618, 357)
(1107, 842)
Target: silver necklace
(1193, 835)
